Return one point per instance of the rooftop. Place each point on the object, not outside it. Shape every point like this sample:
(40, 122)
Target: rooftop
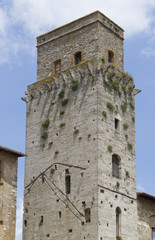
(146, 196)
(79, 23)
(14, 152)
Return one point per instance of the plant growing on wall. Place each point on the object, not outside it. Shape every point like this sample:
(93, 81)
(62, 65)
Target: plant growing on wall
(125, 126)
(52, 170)
(110, 106)
(62, 124)
(75, 85)
(127, 173)
(44, 135)
(61, 94)
(131, 106)
(104, 114)
(109, 148)
(76, 131)
(124, 107)
(45, 124)
(64, 102)
(130, 146)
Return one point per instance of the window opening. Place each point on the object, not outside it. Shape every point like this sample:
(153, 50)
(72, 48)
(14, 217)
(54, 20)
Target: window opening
(115, 166)
(68, 184)
(59, 214)
(110, 56)
(118, 213)
(116, 124)
(77, 58)
(57, 66)
(25, 223)
(87, 215)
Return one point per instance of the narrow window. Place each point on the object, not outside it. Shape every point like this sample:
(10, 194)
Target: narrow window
(116, 124)
(118, 213)
(59, 214)
(57, 66)
(25, 223)
(153, 233)
(110, 56)
(115, 166)
(87, 215)
(77, 58)
(68, 184)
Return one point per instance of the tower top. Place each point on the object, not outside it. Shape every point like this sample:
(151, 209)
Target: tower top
(89, 19)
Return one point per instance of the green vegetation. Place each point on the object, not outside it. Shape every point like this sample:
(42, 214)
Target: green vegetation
(104, 114)
(126, 136)
(45, 124)
(52, 170)
(110, 75)
(62, 113)
(75, 85)
(61, 94)
(50, 144)
(133, 119)
(44, 135)
(62, 124)
(110, 106)
(80, 138)
(131, 106)
(64, 102)
(76, 131)
(130, 146)
(117, 184)
(127, 174)
(125, 126)
(124, 107)
(109, 148)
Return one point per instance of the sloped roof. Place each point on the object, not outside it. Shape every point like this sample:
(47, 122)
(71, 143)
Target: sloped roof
(146, 195)
(14, 152)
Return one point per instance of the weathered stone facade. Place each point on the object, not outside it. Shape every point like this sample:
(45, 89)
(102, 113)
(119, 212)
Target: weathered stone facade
(146, 216)
(80, 173)
(8, 188)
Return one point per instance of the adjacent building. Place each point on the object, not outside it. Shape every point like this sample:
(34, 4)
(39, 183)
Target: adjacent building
(8, 189)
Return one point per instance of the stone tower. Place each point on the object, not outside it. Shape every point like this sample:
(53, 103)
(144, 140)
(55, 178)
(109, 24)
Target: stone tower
(8, 189)
(80, 174)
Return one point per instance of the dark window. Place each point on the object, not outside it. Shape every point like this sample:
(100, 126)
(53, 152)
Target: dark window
(68, 184)
(77, 58)
(59, 214)
(25, 223)
(118, 213)
(116, 124)
(87, 215)
(115, 166)
(57, 66)
(110, 56)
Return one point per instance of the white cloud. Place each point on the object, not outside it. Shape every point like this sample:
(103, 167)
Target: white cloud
(140, 188)
(19, 221)
(22, 20)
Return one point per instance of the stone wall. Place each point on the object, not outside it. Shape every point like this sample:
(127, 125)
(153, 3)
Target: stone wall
(146, 217)
(8, 187)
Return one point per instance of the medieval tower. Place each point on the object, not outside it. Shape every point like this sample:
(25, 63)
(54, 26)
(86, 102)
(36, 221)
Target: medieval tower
(80, 174)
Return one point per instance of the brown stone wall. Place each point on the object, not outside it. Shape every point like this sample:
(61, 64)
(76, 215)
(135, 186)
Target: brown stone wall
(146, 218)
(8, 187)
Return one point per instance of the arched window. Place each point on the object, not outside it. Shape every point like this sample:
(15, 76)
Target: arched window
(57, 66)
(116, 165)
(118, 221)
(110, 56)
(77, 57)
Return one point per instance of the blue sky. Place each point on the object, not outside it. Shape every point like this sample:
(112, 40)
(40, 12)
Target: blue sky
(22, 20)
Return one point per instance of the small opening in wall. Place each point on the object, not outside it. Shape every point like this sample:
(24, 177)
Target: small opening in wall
(132, 201)
(48, 235)
(116, 124)
(116, 196)
(70, 230)
(57, 134)
(107, 224)
(125, 209)
(87, 215)
(88, 161)
(57, 200)
(68, 184)
(25, 223)
(110, 56)
(55, 167)
(77, 57)
(82, 174)
(60, 214)
(101, 202)
(57, 66)
(101, 191)
(82, 223)
(1, 222)
(67, 171)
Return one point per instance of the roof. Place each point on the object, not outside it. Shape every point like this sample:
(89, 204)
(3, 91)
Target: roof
(14, 152)
(145, 195)
(79, 23)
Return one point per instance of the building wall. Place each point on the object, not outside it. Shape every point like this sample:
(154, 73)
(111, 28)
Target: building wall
(146, 218)
(8, 188)
(93, 38)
